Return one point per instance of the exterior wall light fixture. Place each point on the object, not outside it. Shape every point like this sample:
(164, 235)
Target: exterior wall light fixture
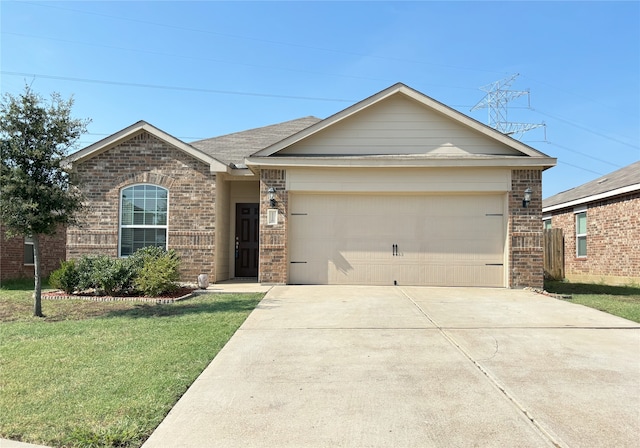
(527, 198)
(272, 196)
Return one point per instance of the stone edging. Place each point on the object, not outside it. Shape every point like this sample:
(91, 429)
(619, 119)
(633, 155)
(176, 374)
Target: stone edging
(157, 301)
(550, 294)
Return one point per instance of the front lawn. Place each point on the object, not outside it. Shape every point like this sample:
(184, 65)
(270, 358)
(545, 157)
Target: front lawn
(104, 373)
(622, 301)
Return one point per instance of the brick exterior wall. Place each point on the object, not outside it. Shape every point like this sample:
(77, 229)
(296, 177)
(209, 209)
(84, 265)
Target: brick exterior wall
(145, 159)
(613, 241)
(52, 252)
(273, 238)
(525, 231)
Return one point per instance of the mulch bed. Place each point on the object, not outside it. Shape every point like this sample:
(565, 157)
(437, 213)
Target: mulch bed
(179, 294)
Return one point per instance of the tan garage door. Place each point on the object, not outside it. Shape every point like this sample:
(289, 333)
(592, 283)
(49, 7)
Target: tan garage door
(439, 240)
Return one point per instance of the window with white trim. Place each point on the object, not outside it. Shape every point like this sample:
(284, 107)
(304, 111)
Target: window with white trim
(143, 218)
(29, 258)
(581, 234)
(546, 224)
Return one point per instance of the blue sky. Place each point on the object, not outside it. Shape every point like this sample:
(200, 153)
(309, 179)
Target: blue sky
(207, 68)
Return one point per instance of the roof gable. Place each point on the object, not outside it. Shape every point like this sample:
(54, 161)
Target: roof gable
(400, 120)
(136, 128)
(398, 126)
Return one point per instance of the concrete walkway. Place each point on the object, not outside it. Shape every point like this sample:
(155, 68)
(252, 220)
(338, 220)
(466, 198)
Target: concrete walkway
(236, 286)
(4, 443)
(324, 366)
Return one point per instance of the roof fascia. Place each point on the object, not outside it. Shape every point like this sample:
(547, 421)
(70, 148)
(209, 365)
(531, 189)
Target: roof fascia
(417, 96)
(128, 132)
(592, 198)
(383, 162)
(240, 172)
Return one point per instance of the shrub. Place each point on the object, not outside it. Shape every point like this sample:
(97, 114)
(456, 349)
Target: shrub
(66, 277)
(112, 275)
(151, 270)
(137, 260)
(159, 274)
(85, 266)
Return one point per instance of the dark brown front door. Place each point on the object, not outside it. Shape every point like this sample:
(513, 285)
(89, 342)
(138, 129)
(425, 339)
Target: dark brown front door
(247, 226)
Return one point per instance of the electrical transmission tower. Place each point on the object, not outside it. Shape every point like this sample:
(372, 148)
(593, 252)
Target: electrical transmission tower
(496, 99)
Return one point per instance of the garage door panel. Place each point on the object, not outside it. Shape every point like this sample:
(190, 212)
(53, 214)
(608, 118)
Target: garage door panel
(309, 273)
(309, 250)
(441, 240)
(465, 247)
(361, 273)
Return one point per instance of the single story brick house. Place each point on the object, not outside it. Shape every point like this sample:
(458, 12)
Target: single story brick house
(16, 255)
(396, 189)
(601, 226)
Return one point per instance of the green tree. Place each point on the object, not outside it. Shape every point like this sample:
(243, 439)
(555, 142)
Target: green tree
(37, 195)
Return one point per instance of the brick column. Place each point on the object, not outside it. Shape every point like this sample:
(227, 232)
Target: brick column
(273, 238)
(525, 230)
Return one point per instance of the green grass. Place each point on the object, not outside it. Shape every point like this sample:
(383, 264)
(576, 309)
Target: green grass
(104, 374)
(622, 301)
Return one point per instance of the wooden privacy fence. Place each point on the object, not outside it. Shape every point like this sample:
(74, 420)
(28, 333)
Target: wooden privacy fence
(553, 242)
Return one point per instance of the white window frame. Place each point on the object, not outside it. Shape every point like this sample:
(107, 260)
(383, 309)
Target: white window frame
(577, 212)
(28, 241)
(141, 226)
(546, 219)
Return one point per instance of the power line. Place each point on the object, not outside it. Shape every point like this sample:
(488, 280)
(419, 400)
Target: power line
(580, 168)
(225, 92)
(578, 95)
(584, 128)
(574, 124)
(165, 87)
(183, 28)
(183, 56)
(235, 36)
(585, 155)
(333, 50)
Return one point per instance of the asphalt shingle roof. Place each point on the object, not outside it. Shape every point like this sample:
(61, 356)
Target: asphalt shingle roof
(624, 177)
(233, 148)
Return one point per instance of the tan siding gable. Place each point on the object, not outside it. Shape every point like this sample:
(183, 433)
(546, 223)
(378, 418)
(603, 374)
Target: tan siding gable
(398, 125)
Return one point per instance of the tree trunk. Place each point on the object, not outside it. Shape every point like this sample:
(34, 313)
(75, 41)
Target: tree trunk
(37, 290)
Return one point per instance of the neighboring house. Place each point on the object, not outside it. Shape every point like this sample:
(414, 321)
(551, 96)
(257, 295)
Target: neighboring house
(601, 225)
(396, 189)
(16, 255)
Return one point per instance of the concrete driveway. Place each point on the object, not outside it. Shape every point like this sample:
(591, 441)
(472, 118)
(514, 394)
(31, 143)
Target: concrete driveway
(327, 366)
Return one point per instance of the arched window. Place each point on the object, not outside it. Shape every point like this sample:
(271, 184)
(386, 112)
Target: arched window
(143, 218)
